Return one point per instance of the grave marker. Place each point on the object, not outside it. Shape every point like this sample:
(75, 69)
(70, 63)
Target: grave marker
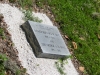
(45, 40)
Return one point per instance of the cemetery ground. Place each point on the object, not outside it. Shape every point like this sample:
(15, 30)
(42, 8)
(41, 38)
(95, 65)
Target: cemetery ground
(79, 21)
(13, 17)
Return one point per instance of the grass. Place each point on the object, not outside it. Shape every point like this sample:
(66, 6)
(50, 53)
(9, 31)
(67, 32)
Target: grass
(3, 58)
(26, 3)
(80, 21)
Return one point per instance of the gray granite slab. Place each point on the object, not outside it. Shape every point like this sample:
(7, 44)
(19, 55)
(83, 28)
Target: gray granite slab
(45, 40)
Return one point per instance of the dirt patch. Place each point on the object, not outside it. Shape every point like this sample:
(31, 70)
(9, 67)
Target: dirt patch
(6, 47)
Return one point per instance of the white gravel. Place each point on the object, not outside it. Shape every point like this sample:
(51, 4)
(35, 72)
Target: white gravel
(35, 66)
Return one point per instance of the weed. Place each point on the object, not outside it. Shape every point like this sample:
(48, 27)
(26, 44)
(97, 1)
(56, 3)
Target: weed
(29, 16)
(18, 72)
(60, 64)
(60, 68)
(3, 58)
(21, 72)
(2, 33)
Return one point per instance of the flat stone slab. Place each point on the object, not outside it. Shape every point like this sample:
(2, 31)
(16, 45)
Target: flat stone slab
(45, 40)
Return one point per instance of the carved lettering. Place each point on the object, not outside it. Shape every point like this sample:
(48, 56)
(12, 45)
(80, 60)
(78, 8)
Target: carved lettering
(52, 45)
(43, 44)
(52, 41)
(44, 32)
(59, 50)
(52, 49)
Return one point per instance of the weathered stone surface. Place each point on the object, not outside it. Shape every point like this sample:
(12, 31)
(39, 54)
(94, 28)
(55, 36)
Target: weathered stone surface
(45, 40)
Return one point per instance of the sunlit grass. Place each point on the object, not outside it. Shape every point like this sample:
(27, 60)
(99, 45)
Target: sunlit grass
(80, 21)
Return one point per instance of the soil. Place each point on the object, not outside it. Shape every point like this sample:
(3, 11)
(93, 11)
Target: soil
(6, 47)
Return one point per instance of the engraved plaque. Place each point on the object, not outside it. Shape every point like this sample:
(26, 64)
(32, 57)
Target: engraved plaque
(45, 40)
